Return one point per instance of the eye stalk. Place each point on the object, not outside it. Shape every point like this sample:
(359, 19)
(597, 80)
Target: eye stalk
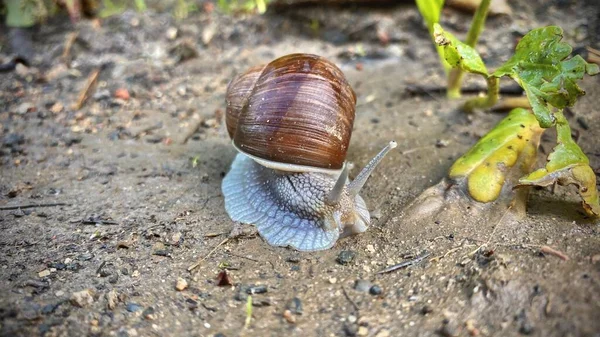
(355, 186)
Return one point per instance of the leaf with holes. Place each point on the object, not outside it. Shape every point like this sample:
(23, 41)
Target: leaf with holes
(541, 66)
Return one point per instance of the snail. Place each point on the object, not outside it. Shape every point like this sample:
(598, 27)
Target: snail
(291, 122)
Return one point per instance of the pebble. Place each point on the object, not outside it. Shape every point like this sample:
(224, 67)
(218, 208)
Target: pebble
(44, 273)
(101, 95)
(345, 257)
(59, 293)
(24, 108)
(171, 33)
(295, 306)
(112, 299)
(333, 280)
(362, 331)
(256, 289)
(426, 310)
(383, 333)
(287, 314)
(149, 314)
(133, 307)
(375, 290)
(82, 298)
(181, 284)
(362, 285)
(370, 248)
(448, 329)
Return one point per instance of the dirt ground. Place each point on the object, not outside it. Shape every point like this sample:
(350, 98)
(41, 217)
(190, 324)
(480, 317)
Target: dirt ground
(142, 204)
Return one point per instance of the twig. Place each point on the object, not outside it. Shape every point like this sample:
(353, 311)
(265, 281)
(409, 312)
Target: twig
(437, 258)
(195, 265)
(593, 55)
(66, 55)
(212, 235)
(191, 131)
(555, 252)
(405, 263)
(87, 90)
(351, 301)
(421, 90)
(54, 204)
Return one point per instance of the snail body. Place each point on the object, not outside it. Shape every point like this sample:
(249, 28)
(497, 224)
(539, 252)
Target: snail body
(291, 122)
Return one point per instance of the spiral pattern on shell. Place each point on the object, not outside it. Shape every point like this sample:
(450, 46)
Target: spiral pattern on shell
(299, 109)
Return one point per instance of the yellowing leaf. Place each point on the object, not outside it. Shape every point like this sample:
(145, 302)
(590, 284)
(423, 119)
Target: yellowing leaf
(486, 164)
(567, 165)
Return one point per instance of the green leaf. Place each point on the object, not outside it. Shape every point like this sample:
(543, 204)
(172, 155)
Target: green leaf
(430, 10)
(485, 165)
(541, 67)
(20, 14)
(567, 164)
(458, 54)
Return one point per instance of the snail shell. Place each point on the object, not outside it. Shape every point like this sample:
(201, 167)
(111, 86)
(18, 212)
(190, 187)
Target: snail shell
(291, 121)
(297, 110)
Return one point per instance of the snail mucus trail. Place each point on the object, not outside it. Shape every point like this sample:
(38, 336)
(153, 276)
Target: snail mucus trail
(291, 122)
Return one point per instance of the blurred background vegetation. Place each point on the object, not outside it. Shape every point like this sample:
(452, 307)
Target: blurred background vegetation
(26, 13)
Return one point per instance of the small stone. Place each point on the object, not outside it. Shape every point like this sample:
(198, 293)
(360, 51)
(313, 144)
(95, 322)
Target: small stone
(370, 249)
(352, 319)
(68, 260)
(133, 307)
(24, 108)
(362, 331)
(101, 95)
(362, 285)
(172, 33)
(261, 289)
(426, 310)
(112, 299)
(350, 329)
(181, 90)
(595, 258)
(149, 314)
(333, 280)
(82, 298)
(287, 314)
(181, 284)
(448, 329)
(136, 273)
(57, 107)
(383, 333)
(345, 257)
(295, 306)
(122, 93)
(375, 290)
(442, 143)
(176, 239)
(44, 273)
(59, 293)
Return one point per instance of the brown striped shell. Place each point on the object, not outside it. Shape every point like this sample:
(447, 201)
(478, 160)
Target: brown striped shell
(296, 112)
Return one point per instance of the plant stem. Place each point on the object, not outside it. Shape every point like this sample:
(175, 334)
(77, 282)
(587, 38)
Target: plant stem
(455, 76)
(488, 100)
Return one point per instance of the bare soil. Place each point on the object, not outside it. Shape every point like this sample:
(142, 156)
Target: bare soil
(141, 204)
